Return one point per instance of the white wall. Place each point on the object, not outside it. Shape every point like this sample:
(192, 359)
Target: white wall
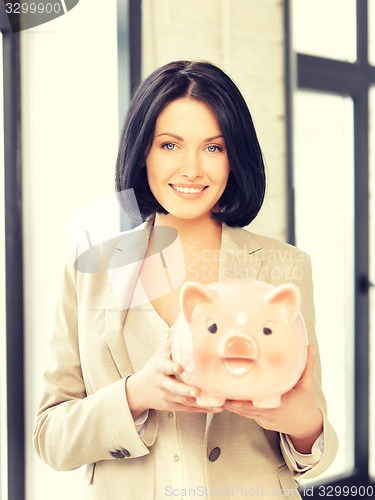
(246, 39)
(70, 137)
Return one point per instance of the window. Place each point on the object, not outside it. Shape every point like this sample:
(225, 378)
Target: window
(324, 200)
(331, 167)
(333, 21)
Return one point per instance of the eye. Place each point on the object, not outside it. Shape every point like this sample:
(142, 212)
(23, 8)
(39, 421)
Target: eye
(268, 328)
(213, 149)
(211, 325)
(169, 146)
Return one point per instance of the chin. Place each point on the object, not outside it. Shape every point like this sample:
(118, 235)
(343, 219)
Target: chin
(189, 213)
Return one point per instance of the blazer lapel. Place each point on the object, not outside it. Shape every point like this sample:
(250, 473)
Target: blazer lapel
(124, 289)
(241, 255)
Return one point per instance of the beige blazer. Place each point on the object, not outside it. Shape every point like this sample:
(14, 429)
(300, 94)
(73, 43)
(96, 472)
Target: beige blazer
(84, 417)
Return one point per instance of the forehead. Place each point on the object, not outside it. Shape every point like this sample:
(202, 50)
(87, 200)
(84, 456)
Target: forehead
(187, 115)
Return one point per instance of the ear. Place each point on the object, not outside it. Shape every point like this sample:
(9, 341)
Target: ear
(191, 295)
(288, 299)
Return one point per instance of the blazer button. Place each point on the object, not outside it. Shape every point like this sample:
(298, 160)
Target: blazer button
(214, 454)
(123, 453)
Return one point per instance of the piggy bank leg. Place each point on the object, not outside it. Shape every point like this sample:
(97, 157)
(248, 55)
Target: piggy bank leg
(271, 402)
(209, 401)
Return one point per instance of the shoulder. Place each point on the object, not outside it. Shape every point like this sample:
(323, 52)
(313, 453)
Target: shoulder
(271, 247)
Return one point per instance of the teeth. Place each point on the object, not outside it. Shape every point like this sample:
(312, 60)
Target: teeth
(187, 190)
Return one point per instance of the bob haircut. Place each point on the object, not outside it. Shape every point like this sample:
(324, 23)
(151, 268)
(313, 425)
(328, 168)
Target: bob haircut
(245, 189)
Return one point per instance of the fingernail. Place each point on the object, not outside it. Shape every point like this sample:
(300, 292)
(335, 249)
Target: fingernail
(193, 394)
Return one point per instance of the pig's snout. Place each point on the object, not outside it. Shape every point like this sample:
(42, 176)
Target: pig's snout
(239, 347)
(238, 353)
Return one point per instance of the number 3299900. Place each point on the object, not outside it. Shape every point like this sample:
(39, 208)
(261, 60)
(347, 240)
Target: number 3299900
(33, 8)
(346, 491)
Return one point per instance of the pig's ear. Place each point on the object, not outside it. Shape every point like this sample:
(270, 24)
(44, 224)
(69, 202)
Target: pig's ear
(288, 299)
(191, 295)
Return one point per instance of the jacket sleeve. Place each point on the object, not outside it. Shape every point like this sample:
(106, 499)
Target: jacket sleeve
(73, 428)
(301, 276)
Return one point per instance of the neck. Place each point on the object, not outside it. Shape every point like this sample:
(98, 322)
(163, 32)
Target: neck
(191, 230)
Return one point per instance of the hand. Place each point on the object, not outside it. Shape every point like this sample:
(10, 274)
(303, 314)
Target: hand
(298, 414)
(156, 386)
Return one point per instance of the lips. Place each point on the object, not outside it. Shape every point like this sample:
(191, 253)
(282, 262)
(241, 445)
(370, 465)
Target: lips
(188, 189)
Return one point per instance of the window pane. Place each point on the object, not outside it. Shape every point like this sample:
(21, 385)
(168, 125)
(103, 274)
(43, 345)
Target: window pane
(371, 31)
(3, 419)
(372, 280)
(324, 200)
(326, 29)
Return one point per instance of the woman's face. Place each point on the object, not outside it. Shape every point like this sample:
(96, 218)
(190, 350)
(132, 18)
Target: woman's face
(187, 166)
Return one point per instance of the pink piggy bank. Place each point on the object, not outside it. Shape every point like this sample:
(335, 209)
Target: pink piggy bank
(240, 340)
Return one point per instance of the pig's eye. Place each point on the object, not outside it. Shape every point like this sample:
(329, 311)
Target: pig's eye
(211, 326)
(268, 328)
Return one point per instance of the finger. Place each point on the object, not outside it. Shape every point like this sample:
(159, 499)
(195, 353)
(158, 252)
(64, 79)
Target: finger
(179, 389)
(169, 367)
(193, 402)
(232, 403)
(242, 408)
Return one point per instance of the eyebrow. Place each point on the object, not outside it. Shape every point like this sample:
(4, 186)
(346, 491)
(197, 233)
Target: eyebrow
(181, 139)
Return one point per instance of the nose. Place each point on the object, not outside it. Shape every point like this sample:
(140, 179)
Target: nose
(191, 166)
(239, 347)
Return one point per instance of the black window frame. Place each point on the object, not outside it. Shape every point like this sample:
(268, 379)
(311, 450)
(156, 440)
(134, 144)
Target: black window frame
(351, 79)
(13, 262)
(129, 41)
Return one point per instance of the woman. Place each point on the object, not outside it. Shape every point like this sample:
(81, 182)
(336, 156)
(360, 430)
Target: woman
(190, 153)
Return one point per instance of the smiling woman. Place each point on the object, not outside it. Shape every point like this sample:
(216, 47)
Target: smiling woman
(113, 399)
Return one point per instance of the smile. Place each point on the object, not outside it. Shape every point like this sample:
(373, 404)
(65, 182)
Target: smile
(187, 190)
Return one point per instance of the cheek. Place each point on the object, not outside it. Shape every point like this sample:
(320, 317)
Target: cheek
(274, 351)
(276, 358)
(221, 174)
(150, 165)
